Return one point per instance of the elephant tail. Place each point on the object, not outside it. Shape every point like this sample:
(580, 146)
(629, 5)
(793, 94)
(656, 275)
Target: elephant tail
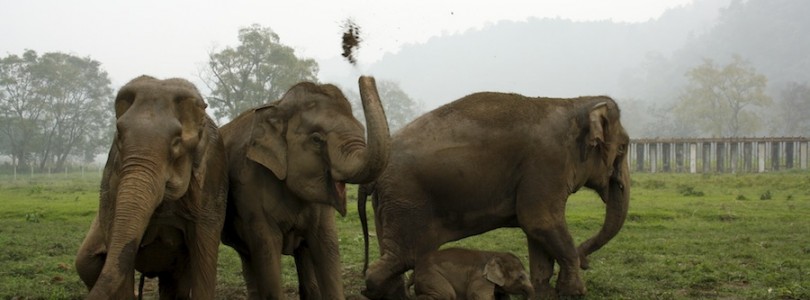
(362, 194)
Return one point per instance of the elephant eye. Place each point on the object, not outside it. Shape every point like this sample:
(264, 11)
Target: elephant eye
(317, 139)
(622, 148)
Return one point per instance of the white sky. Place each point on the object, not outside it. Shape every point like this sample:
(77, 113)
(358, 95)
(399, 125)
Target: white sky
(168, 38)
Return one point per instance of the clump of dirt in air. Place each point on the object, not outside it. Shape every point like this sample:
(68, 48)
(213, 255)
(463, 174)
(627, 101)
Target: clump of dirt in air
(351, 41)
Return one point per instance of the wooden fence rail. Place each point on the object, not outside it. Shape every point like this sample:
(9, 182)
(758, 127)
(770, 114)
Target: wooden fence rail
(718, 155)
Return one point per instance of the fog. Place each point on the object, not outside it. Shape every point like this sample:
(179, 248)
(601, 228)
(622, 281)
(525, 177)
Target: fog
(642, 65)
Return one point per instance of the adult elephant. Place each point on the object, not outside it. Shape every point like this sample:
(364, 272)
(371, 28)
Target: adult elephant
(289, 162)
(162, 202)
(492, 160)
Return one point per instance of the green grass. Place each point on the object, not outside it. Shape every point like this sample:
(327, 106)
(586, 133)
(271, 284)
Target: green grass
(687, 237)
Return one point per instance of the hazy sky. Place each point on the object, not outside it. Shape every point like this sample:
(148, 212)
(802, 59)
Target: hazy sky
(170, 38)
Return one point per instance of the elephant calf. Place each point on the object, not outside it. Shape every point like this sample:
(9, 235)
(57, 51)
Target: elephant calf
(457, 273)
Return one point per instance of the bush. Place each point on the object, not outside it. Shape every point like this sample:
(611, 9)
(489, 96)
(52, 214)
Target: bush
(689, 191)
(766, 196)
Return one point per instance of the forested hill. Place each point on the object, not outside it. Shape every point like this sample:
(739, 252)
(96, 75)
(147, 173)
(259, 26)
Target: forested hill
(550, 57)
(645, 61)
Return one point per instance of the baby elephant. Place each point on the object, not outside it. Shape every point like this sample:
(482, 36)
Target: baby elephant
(457, 273)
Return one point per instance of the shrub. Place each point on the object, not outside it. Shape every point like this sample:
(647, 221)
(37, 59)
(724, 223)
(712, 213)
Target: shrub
(766, 196)
(689, 191)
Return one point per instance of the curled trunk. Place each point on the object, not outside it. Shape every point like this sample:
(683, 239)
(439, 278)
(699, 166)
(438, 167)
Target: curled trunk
(139, 193)
(617, 200)
(369, 161)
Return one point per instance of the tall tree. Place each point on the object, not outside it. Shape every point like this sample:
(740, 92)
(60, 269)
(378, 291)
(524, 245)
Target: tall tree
(399, 108)
(792, 110)
(259, 70)
(53, 106)
(21, 107)
(718, 99)
(77, 93)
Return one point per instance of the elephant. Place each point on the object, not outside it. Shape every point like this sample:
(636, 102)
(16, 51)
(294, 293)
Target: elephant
(162, 196)
(288, 164)
(458, 273)
(491, 160)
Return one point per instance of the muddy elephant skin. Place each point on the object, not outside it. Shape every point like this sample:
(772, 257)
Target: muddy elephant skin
(492, 160)
(162, 201)
(289, 162)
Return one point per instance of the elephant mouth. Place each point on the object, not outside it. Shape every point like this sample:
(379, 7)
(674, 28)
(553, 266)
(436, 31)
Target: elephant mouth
(337, 194)
(340, 189)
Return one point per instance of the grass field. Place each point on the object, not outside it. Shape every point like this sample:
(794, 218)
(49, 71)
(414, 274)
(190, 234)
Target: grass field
(687, 237)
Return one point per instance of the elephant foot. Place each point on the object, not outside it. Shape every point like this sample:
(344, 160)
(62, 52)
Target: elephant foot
(383, 283)
(545, 292)
(573, 287)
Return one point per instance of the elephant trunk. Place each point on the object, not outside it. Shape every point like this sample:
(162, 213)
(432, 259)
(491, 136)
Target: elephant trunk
(528, 291)
(617, 200)
(369, 161)
(139, 193)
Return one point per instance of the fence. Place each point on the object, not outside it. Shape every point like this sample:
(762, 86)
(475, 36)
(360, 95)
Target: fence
(718, 155)
(9, 172)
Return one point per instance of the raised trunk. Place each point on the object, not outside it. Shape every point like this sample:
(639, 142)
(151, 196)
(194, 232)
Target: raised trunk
(139, 193)
(370, 160)
(617, 199)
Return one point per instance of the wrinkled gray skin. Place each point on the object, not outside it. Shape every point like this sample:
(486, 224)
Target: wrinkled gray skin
(162, 202)
(492, 160)
(457, 273)
(288, 164)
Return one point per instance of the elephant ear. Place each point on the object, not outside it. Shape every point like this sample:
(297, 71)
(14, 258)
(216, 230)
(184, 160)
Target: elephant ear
(598, 121)
(493, 271)
(597, 133)
(267, 145)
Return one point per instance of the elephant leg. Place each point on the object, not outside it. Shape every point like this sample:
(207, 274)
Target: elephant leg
(324, 252)
(203, 249)
(264, 245)
(542, 217)
(481, 289)
(433, 285)
(384, 278)
(90, 261)
(174, 285)
(541, 266)
(249, 276)
(307, 280)
(91, 255)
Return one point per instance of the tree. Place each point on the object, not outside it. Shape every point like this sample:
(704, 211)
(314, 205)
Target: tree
(21, 107)
(717, 100)
(792, 110)
(399, 108)
(257, 71)
(77, 93)
(53, 106)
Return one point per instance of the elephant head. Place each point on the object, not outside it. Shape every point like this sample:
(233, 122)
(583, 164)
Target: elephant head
(605, 145)
(155, 158)
(507, 273)
(310, 140)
